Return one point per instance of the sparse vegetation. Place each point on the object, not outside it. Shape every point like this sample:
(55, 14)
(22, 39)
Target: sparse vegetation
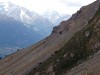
(78, 48)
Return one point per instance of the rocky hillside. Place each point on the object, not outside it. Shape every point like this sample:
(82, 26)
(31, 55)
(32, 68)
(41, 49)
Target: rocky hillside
(70, 44)
(79, 49)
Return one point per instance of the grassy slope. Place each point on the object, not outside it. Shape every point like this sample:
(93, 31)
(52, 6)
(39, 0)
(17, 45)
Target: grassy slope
(77, 49)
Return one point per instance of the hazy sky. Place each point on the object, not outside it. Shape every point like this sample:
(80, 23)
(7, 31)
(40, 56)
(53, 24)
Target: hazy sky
(62, 6)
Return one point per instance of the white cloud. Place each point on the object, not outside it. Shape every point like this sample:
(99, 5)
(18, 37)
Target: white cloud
(62, 6)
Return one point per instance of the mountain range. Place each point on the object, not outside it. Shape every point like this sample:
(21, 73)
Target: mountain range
(55, 17)
(27, 17)
(73, 48)
(47, 20)
(20, 27)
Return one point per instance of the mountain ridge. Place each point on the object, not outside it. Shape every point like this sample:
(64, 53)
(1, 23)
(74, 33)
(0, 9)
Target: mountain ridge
(64, 60)
(25, 16)
(15, 35)
(22, 62)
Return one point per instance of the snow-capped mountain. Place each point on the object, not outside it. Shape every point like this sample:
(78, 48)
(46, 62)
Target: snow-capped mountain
(20, 27)
(54, 16)
(27, 17)
(14, 35)
(46, 20)
(17, 12)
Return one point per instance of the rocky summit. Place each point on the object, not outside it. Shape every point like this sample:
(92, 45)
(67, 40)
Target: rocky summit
(71, 49)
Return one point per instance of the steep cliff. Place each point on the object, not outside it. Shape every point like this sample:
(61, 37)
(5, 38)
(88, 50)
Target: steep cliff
(69, 44)
(79, 49)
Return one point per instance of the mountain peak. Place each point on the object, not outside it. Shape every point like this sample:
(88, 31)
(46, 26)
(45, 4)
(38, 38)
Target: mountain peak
(54, 16)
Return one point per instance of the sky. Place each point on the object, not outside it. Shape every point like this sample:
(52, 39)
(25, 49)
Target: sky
(61, 6)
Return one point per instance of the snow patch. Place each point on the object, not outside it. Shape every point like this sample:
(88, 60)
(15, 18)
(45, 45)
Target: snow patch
(24, 15)
(28, 26)
(6, 6)
(36, 29)
(57, 17)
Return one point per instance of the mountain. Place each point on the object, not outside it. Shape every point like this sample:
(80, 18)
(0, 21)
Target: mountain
(47, 20)
(20, 28)
(27, 17)
(54, 17)
(33, 23)
(65, 52)
(15, 34)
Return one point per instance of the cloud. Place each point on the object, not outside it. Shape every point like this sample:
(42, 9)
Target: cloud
(76, 3)
(70, 3)
(62, 6)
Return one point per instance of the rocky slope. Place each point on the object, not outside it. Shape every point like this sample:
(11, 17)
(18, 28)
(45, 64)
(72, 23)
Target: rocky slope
(69, 44)
(83, 45)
